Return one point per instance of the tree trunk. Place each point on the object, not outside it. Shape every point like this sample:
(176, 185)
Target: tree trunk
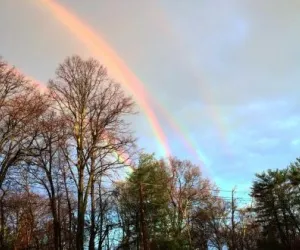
(80, 205)
(100, 231)
(80, 213)
(232, 221)
(68, 235)
(143, 223)
(56, 224)
(59, 223)
(2, 224)
(93, 210)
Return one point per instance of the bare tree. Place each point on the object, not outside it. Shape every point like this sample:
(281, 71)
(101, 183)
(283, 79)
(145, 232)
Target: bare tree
(21, 106)
(46, 166)
(25, 214)
(187, 189)
(93, 107)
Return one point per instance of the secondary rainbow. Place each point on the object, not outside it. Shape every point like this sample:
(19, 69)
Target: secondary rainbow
(214, 112)
(113, 62)
(99, 47)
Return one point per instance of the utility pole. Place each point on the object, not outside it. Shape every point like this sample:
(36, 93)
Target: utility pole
(142, 219)
(232, 220)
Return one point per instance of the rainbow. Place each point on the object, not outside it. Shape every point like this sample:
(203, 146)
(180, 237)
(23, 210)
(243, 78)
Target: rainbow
(42, 87)
(100, 48)
(122, 156)
(118, 154)
(207, 96)
(113, 62)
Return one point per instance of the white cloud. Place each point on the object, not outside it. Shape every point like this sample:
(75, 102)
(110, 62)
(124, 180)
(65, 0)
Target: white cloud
(295, 142)
(289, 123)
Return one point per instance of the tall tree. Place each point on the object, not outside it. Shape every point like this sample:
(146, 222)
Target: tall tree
(93, 107)
(143, 203)
(276, 193)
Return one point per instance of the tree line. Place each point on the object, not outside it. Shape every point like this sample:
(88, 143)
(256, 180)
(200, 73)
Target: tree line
(62, 152)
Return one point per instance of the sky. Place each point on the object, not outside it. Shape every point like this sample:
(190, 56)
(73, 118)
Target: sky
(221, 77)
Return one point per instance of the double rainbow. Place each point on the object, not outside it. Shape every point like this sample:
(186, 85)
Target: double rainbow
(99, 48)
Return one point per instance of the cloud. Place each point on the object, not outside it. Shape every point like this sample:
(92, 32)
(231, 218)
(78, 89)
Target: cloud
(289, 123)
(295, 142)
(262, 135)
(228, 75)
